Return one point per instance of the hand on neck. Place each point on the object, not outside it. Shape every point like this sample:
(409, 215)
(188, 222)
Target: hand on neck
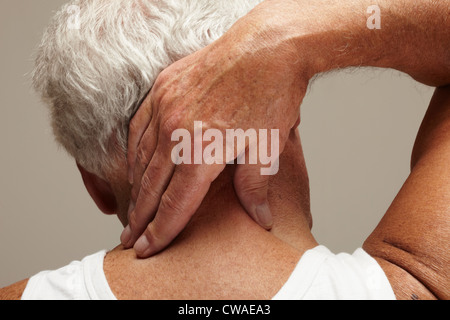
(288, 196)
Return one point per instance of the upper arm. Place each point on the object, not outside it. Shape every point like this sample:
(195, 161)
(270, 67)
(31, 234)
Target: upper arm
(13, 292)
(412, 240)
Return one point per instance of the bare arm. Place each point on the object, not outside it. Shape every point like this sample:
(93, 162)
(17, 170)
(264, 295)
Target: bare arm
(412, 37)
(265, 63)
(13, 292)
(412, 240)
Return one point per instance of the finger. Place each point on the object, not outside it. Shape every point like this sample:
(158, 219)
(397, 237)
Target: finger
(145, 153)
(251, 188)
(147, 149)
(137, 129)
(183, 197)
(149, 190)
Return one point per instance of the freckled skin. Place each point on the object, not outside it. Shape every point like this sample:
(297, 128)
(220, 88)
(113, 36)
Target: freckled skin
(265, 64)
(256, 77)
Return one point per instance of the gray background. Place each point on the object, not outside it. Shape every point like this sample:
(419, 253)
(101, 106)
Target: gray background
(358, 131)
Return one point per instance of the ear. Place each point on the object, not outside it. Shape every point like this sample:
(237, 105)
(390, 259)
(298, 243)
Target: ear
(100, 191)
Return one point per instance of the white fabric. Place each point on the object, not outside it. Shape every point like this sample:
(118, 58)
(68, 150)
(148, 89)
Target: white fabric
(319, 275)
(80, 280)
(322, 275)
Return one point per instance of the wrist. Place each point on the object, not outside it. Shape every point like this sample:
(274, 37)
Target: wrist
(411, 37)
(335, 35)
(309, 38)
(274, 31)
(265, 40)
(319, 36)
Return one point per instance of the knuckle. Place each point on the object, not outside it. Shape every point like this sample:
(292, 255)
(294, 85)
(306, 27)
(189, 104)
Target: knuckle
(170, 124)
(162, 78)
(244, 176)
(143, 156)
(170, 204)
(257, 183)
(147, 188)
(240, 179)
(252, 186)
(253, 189)
(204, 181)
(160, 87)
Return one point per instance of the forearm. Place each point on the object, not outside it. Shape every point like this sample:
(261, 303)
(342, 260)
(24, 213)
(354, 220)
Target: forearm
(414, 233)
(413, 36)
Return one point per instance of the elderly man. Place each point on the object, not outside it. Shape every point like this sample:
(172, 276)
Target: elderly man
(94, 79)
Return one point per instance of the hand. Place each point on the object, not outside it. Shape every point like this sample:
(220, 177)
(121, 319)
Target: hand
(231, 84)
(256, 77)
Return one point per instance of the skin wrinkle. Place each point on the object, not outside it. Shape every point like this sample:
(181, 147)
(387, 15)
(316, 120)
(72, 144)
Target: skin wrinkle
(417, 243)
(205, 221)
(403, 264)
(405, 219)
(386, 48)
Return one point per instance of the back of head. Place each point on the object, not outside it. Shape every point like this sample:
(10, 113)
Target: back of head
(98, 59)
(97, 62)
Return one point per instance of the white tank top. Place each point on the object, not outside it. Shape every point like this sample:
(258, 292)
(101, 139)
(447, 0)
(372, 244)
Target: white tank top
(319, 274)
(80, 280)
(322, 275)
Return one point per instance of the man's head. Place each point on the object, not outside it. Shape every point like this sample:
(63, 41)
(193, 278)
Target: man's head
(97, 62)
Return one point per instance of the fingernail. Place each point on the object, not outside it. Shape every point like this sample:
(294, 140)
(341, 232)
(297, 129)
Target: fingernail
(126, 236)
(142, 246)
(264, 216)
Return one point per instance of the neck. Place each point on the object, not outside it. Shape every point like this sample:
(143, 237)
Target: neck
(223, 253)
(222, 214)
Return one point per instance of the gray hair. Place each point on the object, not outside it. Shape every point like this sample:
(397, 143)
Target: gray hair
(98, 59)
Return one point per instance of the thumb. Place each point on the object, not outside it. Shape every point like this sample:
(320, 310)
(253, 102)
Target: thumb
(251, 188)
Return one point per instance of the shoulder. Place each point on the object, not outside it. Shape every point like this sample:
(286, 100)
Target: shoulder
(405, 285)
(79, 280)
(13, 292)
